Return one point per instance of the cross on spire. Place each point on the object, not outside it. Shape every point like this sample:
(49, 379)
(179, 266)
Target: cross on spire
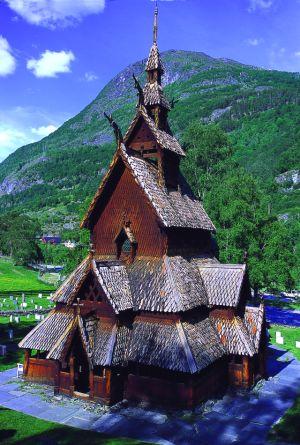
(155, 27)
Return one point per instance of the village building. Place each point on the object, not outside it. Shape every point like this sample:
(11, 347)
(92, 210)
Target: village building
(150, 314)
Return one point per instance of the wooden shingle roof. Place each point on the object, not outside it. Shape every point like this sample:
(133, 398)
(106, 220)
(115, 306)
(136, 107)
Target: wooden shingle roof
(154, 61)
(69, 289)
(154, 95)
(164, 139)
(222, 283)
(168, 284)
(234, 336)
(46, 334)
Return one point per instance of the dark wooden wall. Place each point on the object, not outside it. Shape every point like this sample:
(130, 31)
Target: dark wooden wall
(126, 200)
(183, 241)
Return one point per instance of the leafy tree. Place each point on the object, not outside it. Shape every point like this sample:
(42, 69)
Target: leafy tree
(18, 238)
(246, 230)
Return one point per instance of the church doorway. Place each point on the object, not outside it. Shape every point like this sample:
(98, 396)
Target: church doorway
(81, 368)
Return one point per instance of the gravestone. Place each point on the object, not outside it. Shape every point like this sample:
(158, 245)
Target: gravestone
(298, 344)
(23, 298)
(11, 297)
(17, 319)
(40, 295)
(10, 318)
(279, 338)
(35, 306)
(2, 350)
(37, 316)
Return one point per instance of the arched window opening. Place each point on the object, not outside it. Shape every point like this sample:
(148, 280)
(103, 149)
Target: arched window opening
(126, 245)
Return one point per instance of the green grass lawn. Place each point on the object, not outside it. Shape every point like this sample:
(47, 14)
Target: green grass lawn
(13, 278)
(14, 354)
(17, 428)
(290, 336)
(288, 428)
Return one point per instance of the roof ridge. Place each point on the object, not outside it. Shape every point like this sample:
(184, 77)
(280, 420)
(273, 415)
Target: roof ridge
(188, 352)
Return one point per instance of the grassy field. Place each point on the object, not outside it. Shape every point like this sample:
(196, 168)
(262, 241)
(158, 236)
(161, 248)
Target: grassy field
(14, 354)
(17, 428)
(13, 278)
(290, 335)
(288, 428)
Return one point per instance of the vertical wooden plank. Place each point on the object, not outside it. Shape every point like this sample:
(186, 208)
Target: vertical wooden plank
(91, 380)
(26, 361)
(72, 375)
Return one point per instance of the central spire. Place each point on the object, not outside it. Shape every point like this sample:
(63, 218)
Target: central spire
(155, 28)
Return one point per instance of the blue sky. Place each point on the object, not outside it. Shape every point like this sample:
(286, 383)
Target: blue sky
(56, 55)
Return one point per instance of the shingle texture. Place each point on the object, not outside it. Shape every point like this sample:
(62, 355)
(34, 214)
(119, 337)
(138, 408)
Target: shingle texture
(222, 283)
(204, 342)
(154, 61)
(254, 319)
(113, 279)
(157, 344)
(175, 209)
(164, 139)
(44, 336)
(70, 287)
(234, 336)
(167, 284)
(154, 95)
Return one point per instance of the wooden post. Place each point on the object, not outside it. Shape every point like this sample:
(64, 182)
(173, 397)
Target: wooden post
(26, 361)
(107, 383)
(56, 377)
(91, 378)
(246, 372)
(72, 388)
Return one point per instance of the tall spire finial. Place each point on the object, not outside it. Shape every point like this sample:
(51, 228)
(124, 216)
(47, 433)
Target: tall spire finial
(155, 28)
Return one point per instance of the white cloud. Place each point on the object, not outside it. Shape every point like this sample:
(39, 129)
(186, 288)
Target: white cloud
(10, 139)
(43, 131)
(259, 4)
(255, 41)
(51, 63)
(23, 125)
(90, 76)
(7, 60)
(52, 13)
(297, 54)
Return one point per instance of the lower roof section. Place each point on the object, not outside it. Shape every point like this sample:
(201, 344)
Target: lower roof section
(170, 284)
(170, 344)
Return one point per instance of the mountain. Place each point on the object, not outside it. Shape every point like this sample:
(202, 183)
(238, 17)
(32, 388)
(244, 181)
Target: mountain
(260, 109)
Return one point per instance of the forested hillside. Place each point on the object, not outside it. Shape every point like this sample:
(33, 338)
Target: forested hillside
(258, 109)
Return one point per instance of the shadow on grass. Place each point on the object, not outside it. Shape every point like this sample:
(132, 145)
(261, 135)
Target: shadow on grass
(274, 366)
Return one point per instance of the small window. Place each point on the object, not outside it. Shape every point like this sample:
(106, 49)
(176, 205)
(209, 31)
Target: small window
(126, 244)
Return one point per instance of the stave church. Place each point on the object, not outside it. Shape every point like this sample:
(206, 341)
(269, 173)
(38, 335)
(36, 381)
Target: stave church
(150, 314)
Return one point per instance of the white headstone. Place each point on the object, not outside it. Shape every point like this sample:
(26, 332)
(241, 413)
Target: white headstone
(40, 295)
(280, 340)
(41, 307)
(37, 316)
(2, 350)
(10, 318)
(297, 344)
(4, 300)
(24, 304)
(23, 297)
(31, 300)
(27, 316)
(17, 319)
(35, 306)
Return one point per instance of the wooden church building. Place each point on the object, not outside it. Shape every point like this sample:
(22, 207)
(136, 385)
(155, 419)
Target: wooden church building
(150, 314)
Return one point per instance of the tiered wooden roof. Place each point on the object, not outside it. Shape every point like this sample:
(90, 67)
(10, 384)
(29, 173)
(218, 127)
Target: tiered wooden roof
(186, 311)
